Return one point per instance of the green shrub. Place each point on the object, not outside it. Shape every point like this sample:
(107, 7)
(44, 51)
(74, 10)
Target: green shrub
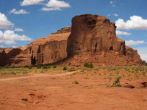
(65, 68)
(88, 65)
(43, 66)
(29, 67)
(116, 83)
(14, 73)
(54, 66)
(71, 69)
(39, 66)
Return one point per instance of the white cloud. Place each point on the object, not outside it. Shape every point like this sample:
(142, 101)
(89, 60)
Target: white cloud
(18, 12)
(135, 22)
(115, 14)
(4, 22)
(112, 3)
(30, 2)
(142, 52)
(55, 5)
(10, 38)
(122, 33)
(50, 9)
(18, 30)
(134, 42)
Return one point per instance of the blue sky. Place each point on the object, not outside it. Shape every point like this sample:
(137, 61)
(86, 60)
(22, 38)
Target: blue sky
(24, 20)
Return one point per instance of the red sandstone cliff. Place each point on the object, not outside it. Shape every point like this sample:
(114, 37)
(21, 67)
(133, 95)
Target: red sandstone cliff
(91, 38)
(41, 51)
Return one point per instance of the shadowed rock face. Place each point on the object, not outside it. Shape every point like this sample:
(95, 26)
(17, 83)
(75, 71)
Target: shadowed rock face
(91, 38)
(3, 57)
(7, 55)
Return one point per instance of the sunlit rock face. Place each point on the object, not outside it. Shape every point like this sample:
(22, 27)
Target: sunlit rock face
(92, 33)
(93, 39)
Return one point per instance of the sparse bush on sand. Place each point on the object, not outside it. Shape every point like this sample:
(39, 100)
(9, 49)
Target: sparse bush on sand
(71, 69)
(43, 66)
(14, 71)
(88, 65)
(64, 68)
(54, 66)
(116, 82)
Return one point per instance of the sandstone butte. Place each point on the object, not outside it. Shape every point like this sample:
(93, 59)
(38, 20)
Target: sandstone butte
(91, 39)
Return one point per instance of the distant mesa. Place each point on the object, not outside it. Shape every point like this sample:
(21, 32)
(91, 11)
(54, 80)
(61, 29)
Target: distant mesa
(91, 38)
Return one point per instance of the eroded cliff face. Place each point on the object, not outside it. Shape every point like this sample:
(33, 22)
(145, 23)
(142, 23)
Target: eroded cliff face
(91, 38)
(7, 56)
(51, 51)
(92, 33)
(41, 51)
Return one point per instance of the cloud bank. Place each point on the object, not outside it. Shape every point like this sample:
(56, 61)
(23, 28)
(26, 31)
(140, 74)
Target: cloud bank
(8, 35)
(53, 5)
(122, 33)
(4, 22)
(30, 2)
(143, 53)
(135, 22)
(18, 12)
(10, 38)
(134, 42)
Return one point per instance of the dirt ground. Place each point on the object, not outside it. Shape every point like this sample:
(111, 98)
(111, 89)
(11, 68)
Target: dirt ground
(72, 91)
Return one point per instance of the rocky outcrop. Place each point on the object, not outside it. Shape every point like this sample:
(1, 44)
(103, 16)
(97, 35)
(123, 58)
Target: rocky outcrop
(50, 50)
(91, 38)
(92, 33)
(3, 57)
(8, 56)
(41, 51)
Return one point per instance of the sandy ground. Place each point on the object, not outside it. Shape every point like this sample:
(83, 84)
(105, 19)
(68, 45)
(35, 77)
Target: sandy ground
(69, 91)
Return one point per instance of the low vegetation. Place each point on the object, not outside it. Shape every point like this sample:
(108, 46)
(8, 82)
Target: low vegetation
(29, 70)
(88, 65)
(64, 68)
(131, 69)
(14, 71)
(116, 82)
(126, 71)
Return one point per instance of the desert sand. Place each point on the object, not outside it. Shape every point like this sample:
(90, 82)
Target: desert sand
(77, 90)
